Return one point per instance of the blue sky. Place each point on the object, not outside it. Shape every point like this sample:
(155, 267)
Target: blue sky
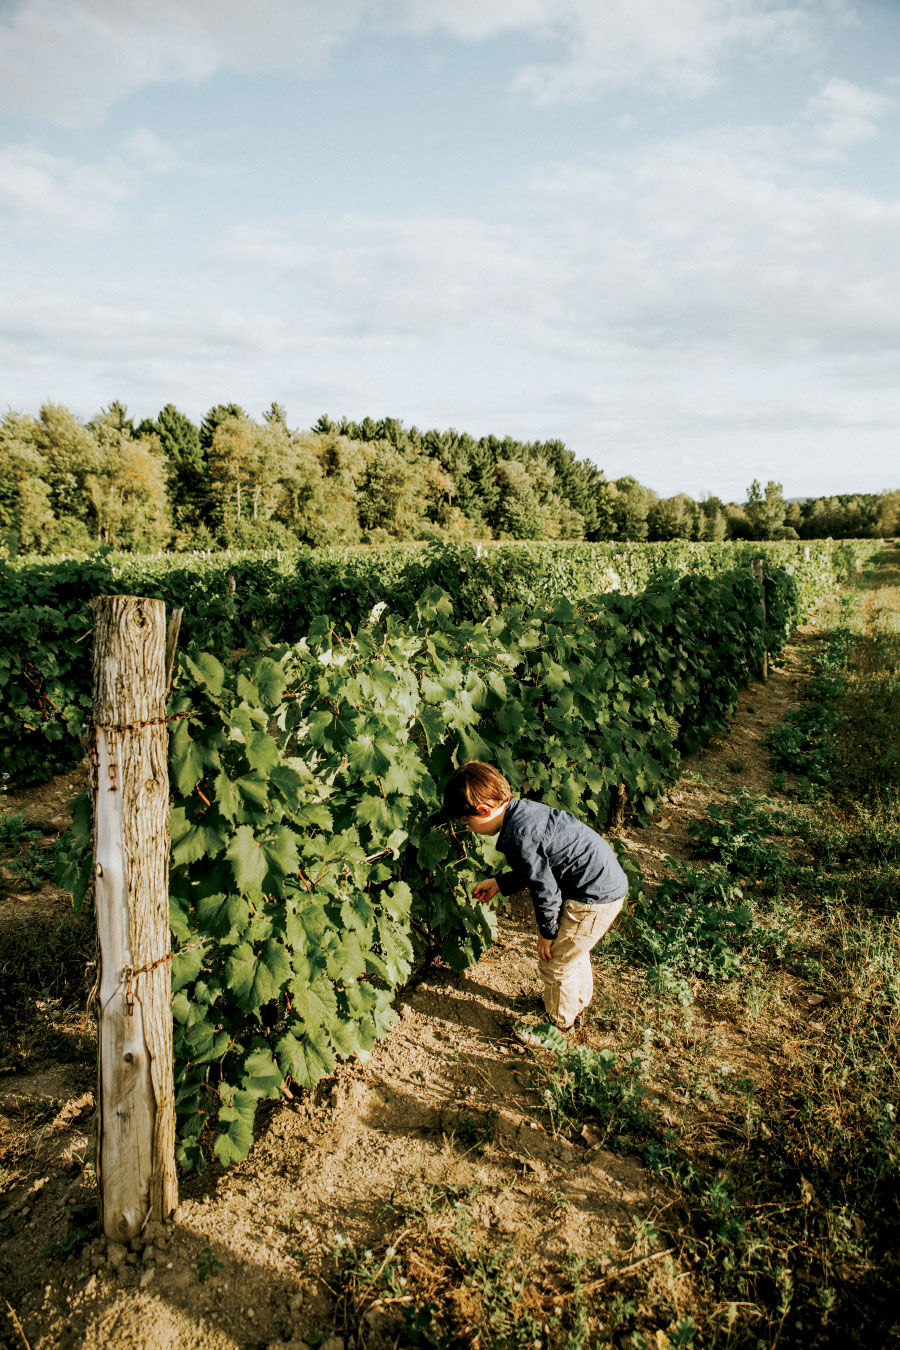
(665, 231)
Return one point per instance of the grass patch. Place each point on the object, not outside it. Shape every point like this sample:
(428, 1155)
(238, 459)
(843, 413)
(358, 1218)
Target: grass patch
(46, 972)
(440, 1280)
(25, 861)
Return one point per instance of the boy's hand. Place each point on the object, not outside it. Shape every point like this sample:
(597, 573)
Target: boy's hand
(486, 890)
(545, 948)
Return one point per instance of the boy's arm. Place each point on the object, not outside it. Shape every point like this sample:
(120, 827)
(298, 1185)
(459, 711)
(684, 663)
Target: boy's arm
(531, 871)
(511, 881)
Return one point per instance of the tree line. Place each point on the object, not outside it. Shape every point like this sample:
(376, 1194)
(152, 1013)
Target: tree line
(234, 481)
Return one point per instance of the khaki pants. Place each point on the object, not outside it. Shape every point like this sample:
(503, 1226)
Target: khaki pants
(568, 979)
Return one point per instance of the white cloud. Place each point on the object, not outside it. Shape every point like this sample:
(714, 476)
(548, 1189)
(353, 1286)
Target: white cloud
(712, 294)
(151, 153)
(847, 114)
(674, 47)
(728, 241)
(39, 190)
(407, 278)
(43, 191)
(470, 20)
(71, 60)
(682, 418)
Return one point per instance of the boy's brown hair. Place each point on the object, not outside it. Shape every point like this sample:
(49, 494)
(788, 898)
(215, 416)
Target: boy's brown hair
(474, 784)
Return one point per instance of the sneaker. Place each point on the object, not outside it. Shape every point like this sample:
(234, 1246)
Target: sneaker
(539, 1034)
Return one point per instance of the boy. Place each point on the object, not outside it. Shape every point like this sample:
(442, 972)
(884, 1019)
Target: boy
(574, 877)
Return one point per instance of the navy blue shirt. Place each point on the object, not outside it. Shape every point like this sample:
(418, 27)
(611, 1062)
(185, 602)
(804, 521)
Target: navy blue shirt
(557, 858)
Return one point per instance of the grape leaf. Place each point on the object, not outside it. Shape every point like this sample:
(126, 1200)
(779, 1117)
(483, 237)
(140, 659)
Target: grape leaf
(206, 670)
(261, 750)
(280, 851)
(221, 915)
(433, 849)
(247, 859)
(305, 1055)
(190, 840)
(228, 798)
(186, 966)
(271, 680)
(238, 1112)
(186, 758)
(261, 1074)
(257, 978)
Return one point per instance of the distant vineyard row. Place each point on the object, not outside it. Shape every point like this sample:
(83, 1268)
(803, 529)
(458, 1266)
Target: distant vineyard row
(236, 601)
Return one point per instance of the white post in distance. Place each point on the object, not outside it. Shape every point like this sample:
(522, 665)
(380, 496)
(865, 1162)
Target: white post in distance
(758, 567)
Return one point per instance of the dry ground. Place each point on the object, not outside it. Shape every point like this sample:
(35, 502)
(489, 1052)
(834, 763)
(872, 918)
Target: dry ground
(444, 1102)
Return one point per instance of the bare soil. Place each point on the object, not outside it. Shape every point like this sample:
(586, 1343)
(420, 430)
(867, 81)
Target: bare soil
(247, 1261)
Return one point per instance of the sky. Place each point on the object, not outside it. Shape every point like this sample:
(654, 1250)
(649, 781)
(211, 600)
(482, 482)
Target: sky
(666, 232)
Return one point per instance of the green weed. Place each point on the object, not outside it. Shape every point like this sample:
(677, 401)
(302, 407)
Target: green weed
(741, 836)
(84, 1227)
(442, 1282)
(208, 1265)
(594, 1085)
(20, 854)
(696, 926)
(803, 745)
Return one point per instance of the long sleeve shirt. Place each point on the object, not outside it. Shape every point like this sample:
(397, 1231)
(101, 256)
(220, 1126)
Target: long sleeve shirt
(557, 858)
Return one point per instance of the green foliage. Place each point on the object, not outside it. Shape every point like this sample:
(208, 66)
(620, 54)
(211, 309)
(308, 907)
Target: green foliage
(765, 510)
(237, 482)
(740, 836)
(310, 866)
(243, 601)
(782, 1149)
(443, 1283)
(703, 923)
(19, 854)
(696, 926)
(802, 746)
(586, 1084)
(291, 768)
(308, 861)
(208, 1265)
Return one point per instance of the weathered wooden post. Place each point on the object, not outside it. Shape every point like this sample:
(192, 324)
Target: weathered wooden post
(136, 1130)
(758, 567)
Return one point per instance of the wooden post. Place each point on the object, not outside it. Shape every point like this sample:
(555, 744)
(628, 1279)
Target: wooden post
(136, 1131)
(171, 645)
(758, 568)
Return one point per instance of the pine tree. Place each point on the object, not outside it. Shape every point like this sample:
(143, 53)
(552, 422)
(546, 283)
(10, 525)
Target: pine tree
(187, 467)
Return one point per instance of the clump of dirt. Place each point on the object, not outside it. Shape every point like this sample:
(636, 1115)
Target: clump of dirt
(446, 1105)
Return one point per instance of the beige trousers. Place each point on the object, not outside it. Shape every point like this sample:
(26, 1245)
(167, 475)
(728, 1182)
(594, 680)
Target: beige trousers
(568, 979)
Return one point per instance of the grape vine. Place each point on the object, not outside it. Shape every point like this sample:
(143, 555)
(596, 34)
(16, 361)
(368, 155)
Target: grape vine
(310, 865)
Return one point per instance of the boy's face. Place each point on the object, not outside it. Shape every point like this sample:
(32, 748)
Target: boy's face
(486, 818)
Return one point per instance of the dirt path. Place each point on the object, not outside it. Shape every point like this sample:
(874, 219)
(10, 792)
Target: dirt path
(444, 1102)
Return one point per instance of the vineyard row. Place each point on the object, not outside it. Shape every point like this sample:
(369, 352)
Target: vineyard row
(310, 863)
(232, 601)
